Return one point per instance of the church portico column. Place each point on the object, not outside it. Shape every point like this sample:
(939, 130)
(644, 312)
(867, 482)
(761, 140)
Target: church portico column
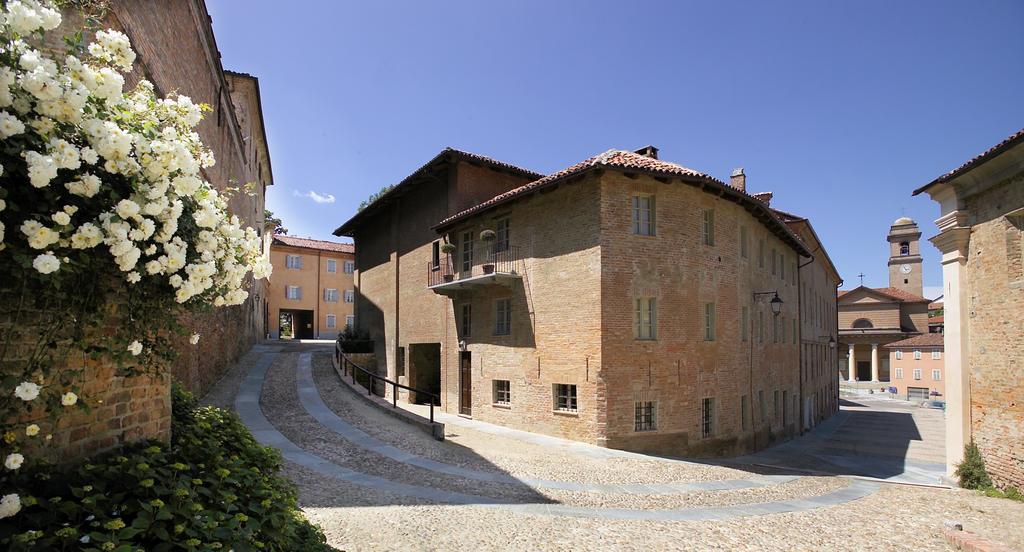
(874, 362)
(851, 363)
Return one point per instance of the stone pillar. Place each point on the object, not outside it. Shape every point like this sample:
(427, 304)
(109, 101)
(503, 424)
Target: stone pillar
(874, 362)
(851, 363)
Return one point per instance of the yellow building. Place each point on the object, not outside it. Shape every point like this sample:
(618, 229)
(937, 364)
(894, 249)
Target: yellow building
(311, 291)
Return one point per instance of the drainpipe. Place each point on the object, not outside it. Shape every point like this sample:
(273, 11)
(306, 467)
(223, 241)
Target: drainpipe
(319, 298)
(800, 341)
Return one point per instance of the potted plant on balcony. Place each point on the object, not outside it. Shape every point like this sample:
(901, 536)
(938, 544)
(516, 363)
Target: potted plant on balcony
(488, 236)
(448, 248)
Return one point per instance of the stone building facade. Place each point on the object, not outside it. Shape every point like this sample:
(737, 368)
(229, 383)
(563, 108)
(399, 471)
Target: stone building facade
(311, 293)
(916, 367)
(177, 52)
(981, 237)
(612, 302)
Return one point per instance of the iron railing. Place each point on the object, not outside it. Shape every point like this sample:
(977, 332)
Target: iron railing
(360, 374)
(504, 261)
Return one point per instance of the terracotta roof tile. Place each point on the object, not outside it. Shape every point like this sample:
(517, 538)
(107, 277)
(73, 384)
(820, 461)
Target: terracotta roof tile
(937, 319)
(976, 160)
(310, 243)
(923, 340)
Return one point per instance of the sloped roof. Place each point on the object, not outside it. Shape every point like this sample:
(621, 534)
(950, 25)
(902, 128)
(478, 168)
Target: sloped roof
(890, 292)
(923, 340)
(631, 161)
(976, 160)
(447, 154)
(310, 243)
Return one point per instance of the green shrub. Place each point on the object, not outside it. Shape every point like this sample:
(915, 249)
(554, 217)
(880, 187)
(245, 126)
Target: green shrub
(971, 471)
(215, 487)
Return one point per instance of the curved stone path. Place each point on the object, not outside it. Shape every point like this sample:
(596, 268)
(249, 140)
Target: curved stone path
(247, 404)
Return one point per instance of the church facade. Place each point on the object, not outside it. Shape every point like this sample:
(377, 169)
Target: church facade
(870, 319)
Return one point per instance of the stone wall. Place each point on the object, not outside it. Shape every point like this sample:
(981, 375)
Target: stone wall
(995, 301)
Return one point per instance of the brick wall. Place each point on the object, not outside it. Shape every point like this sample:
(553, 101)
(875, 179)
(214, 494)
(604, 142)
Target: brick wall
(995, 301)
(176, 52)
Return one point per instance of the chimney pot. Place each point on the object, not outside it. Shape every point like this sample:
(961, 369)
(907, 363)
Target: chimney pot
(738, 180)
(648, 151)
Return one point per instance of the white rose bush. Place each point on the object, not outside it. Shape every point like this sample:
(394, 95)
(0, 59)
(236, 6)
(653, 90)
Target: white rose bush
(106, 221)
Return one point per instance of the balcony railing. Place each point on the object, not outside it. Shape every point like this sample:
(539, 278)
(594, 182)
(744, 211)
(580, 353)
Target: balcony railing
(455, 271)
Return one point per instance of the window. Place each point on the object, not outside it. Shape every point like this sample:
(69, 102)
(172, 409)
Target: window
(466, 320)
(761, 404)
(646, 318)
(643, 215)
(775, 409)
(904, 249)
(331, 295)
(899, 354)
(785, 408)
(350, 320)
(917, 373)
(293, 292)
(349, 267)
(794, 331)
(293, 261)
(782, 266)
(774, 261)
(775, 329)
(760, 327)
(861, 323)
(565, 397)
(707, 229)
(400, 364)
(350, 296)
(899, 373)
(745, 324)
(502, 392)
(643, 418)
(503, 317)
(709, 321)
(435, 254)
(936, 355)
(501, 236)
(760, 253)
(707, 418)
(332, 321)
(936, 375)
(332, 265)
(467, 251)
(744, 243)
(917, 354)
(744, 412)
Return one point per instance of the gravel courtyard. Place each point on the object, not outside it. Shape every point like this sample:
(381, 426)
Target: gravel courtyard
(374, 483)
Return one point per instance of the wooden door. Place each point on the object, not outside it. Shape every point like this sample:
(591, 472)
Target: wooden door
(465, 384)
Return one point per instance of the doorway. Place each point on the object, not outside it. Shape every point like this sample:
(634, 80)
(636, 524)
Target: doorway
(864, 370)
(296, 324)
(424, 371)
(465, 383)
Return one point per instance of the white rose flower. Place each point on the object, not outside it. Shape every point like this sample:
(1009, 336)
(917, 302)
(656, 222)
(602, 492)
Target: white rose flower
(87, 186)
(26, 391)
(32, 430)
(10, 125)
(46, 263)
(14, 461)
(127, 209)
(135, 348)
(194, 339)
(68, 399)
(89, 155)
(133, 277)
(9, 505)
(61, 218)
(41, 168)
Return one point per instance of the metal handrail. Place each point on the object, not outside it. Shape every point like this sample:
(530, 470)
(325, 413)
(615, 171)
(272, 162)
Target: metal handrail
(345, 362)
(504, 261)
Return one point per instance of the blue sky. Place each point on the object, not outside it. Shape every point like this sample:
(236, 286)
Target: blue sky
(840, 108)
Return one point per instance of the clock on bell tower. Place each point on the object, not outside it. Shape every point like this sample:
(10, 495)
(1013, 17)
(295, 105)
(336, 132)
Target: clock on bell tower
(905, 256)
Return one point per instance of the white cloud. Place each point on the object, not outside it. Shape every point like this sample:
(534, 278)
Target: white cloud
(932, 292)
(326, 198)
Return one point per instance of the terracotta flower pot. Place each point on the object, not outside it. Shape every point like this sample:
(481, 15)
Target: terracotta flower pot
(488, 269)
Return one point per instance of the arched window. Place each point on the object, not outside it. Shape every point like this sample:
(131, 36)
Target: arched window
(904, 249)
(862, 323)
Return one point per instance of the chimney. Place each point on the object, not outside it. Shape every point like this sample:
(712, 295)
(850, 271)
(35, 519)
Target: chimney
(738, 180)
(648, 151)
(765, 197)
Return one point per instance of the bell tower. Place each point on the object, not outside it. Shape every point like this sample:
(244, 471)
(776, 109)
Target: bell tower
(905, 256)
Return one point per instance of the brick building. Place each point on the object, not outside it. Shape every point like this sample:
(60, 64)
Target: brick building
(612, 302)
(177, 52)
(871, 318)
(311, 293)
(916, 367)
(981, 237)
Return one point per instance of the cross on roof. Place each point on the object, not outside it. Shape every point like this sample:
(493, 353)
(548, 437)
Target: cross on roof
(861, 276)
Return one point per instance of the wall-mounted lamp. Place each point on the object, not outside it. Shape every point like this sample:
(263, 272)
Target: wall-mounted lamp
(775, 303)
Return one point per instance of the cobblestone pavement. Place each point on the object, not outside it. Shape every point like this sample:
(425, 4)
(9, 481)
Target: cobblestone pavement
(374, 483)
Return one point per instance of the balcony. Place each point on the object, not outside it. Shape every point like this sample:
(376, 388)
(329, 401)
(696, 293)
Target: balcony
(496, 267)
